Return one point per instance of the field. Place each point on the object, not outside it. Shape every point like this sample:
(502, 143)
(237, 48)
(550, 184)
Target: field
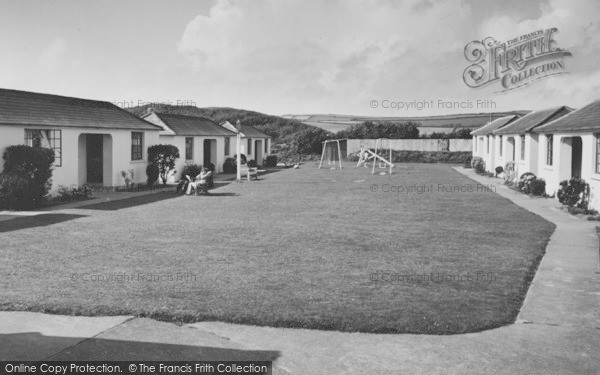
(428, 124)
(324, 249)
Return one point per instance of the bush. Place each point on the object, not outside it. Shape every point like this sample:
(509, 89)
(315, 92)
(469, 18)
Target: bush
(537, 186)
(574, 193)
(478, 164)
(152, 174)
(524, 183)
(70, 193)
(191, 170)
(229, 166)
(16, 192)
(467, 163)
(252, 163)
(242, 156)
(499, 170)
(271, 161)
(510, 175)
(26, 178)
(163, 156)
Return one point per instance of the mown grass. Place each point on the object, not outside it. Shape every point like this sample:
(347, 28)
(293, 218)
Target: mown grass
(324, 249)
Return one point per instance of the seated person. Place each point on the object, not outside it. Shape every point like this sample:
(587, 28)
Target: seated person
(200, 182)
(183, 184)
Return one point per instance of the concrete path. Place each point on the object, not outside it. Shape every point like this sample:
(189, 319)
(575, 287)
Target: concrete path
(557, 330)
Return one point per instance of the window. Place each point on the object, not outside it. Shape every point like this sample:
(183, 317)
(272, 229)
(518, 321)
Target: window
(500, 146)
(597, 136)
(487, 145)
(522, 147)
(266, 146)
(549, 144)
(189, 148)
(227, 143)
(137, 145)
(475, 140)
(249, 147)
(47, 139)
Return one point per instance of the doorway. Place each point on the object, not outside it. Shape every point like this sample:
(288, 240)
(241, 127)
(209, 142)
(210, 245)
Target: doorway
(258, 149)
(94, 147)
(576, 150)
(209, 152)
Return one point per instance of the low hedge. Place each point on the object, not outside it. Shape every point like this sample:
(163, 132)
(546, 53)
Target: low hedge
(450, 157)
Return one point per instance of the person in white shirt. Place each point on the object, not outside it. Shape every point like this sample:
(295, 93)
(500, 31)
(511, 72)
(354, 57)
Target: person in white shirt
(200, 183)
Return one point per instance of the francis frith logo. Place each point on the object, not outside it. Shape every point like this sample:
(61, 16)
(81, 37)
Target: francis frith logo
(516, 62)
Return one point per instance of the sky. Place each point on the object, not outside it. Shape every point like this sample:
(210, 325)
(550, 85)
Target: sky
(368, 57)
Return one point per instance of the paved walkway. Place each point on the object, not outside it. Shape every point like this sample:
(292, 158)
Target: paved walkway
(557, 330)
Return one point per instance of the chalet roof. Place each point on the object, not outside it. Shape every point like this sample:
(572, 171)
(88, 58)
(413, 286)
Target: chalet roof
(494, 125)
(193, 125)
(35, 109)
(583, 119)
(534, 119)
(246, 130)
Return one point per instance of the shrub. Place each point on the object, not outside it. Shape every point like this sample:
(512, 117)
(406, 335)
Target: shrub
(524, 183)
(537, 186)
(467, 163)
(271, 161)
(191, 170)
(26, 178)
(152, 173)
(499, 170)
(478, 164)
(163, 156)
(252, 163)
(128, 177)
(242, 156)
(510, 174)
(574, 193)
(69, 193)
(229, 166)
(16, 192)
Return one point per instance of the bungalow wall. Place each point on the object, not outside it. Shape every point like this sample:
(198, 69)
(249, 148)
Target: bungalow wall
(217, 151)
(526, 160)
(561, 168)
(116, 152)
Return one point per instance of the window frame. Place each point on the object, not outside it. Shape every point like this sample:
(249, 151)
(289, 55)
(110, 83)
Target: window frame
(522, 147)
(189, 151)
(227, 147)
(549, 149)
(137, 150)
(597, 136)
(54, 141)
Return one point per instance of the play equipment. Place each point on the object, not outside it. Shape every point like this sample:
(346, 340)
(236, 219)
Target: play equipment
(333, 152)
(366, 155)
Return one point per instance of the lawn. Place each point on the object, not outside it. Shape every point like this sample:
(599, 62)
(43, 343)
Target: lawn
(324, 249)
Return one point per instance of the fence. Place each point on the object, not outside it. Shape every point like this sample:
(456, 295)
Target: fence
(353, 145)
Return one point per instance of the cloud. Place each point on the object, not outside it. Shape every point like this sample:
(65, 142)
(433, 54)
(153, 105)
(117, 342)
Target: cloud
(52, 55)
(336, 55)
(309, 51)
(578, 23)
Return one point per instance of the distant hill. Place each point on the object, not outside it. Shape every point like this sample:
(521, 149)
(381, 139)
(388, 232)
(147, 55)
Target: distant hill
(428, 124)
(275, 126)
